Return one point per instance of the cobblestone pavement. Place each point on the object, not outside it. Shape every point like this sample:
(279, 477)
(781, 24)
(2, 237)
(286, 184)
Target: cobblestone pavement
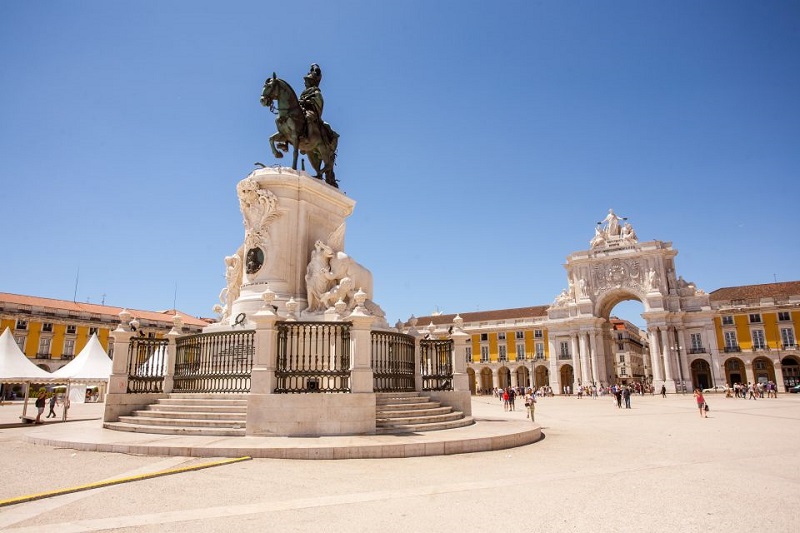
(658, 466)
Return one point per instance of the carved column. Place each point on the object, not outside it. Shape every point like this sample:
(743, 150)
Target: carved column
(665, 351)
(598, 377)
(576, 362)
(655, 356)
(495, 379)
(716, 366)
(584, 358)
(553, 362)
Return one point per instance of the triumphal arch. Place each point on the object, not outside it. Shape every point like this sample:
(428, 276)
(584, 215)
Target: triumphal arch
(615, 268)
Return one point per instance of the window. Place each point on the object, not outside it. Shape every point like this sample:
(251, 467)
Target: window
(697, 342)
(520, 335)
(620, 346)
(539, 350)
(92, 331)
(501, 355)
(727, 320)
(520, 352)
(20, 340)
(69, 347)
(760, 365)
(564, 349)
(47, 327)
(619, 336)
(501, 336)
(484, 354)
(22, 324)
(71, 330)
(755, 318)
(784, 316)
(44, 346)
(787, 338)
(758, 339)
(622, 358)
(623, 372)
(730, 339)
(537, 334)
(468, 354)
(484, 337)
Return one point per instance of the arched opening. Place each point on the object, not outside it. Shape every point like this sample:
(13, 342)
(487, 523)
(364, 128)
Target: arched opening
(566, 378)
(701, 374)
(522, 374)
(503, 377)
(734, 371)
(763, 370)
(791, 372)
(625, 344)
(471, 378)
(485, 386)
(541, 376)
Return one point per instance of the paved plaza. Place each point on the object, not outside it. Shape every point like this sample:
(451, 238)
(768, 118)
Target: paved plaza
(658, 466)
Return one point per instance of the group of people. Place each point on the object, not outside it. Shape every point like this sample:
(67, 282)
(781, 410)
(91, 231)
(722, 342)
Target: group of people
(508, 396)
(42, 400)
(752, 391)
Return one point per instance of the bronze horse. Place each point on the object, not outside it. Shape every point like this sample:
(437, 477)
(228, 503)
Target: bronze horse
(292, 129)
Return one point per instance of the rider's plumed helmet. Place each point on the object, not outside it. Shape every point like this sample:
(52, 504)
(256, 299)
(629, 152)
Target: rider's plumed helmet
(314, 75)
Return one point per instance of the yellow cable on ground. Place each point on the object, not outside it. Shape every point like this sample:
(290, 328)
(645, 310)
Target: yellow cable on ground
(99, 484)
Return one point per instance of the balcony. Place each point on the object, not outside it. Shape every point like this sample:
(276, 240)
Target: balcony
(43, 356)
(564, 357)
(760, 348)
(699, 349)
(732, 349)
(789, 346)
(67, 357)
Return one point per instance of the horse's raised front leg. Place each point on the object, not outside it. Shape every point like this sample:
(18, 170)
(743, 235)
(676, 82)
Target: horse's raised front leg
(276, 137)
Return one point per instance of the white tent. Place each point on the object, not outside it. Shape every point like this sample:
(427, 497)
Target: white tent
(90, 366)
(15, 367)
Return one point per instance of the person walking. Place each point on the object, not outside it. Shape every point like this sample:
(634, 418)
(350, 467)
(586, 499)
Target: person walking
(53, 403)
(626, 395)
(530, 403)
(40, 402)
(701, 402)
(663, 391)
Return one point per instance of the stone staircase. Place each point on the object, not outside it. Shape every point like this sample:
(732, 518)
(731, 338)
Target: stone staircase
(405, 412)
(189, 414)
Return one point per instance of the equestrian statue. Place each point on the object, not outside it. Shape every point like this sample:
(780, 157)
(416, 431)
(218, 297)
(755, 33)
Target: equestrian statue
(300, 124)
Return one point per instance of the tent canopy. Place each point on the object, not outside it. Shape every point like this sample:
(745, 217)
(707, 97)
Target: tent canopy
(92, 365)
(15, 367)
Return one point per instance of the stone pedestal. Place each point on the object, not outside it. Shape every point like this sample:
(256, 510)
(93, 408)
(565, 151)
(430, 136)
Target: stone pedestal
(285, 213)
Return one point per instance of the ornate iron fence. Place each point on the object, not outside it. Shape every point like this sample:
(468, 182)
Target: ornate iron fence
(392, 362)
(436, 364)
(146, 364)
(218, 362)
(313, 357)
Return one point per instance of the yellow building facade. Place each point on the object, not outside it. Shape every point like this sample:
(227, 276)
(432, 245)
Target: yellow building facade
(52, 332)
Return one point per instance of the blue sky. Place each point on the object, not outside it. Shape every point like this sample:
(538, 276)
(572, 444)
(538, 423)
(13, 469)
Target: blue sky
(480, 140)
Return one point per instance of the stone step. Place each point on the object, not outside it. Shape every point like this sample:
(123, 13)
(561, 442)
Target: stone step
(407, 406)
(183, 422)
(202, 401)
(199, 408)
(176, 430)
(415, 428)
(207, 396)
(392, 413)
(191, 415)
(422, 419)
(401, 401)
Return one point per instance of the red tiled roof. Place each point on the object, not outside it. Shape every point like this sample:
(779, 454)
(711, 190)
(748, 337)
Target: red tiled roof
(486, 316)
(104, 310)
(750, 292)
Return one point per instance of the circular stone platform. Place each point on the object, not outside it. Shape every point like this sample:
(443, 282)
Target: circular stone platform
(493, 430)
